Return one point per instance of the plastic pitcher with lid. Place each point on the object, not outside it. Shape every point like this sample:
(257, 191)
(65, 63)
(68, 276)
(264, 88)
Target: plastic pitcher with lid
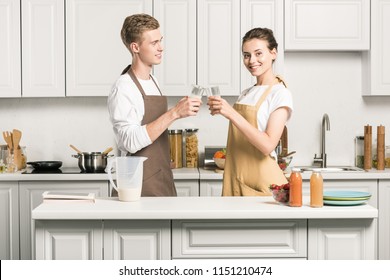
(129, 175)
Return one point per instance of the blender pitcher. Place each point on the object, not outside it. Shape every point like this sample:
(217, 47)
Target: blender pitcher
(129, 175)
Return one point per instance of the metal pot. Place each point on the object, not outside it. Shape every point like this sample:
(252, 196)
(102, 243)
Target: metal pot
(94, 162)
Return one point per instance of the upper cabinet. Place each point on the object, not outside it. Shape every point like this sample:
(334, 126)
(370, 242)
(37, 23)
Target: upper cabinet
(43, 48)
(95, 54)
(261, 13)
(376, 63)
(10, 61)
(327, 25)
(177, 72)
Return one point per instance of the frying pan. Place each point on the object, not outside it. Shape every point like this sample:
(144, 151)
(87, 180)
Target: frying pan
(45, 165)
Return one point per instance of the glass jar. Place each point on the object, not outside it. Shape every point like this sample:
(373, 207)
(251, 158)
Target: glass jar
(359, 151)
(296, 188)
(176, 147)
(387, 157)
(191, 150)
(316, 189)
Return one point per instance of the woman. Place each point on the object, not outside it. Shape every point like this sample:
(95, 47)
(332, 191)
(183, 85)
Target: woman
(257, 121)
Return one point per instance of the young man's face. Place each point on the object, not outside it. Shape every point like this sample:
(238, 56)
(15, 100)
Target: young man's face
(150, 49)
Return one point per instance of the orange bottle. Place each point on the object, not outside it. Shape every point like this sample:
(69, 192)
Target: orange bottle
(316, 189)
(295, 188)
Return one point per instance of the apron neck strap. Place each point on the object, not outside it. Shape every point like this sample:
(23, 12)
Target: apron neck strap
(137, 83)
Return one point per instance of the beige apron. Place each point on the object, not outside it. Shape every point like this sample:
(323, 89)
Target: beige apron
(248, 172)
(157, 177)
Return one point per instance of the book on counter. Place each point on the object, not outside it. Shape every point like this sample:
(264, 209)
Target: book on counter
(51, 196)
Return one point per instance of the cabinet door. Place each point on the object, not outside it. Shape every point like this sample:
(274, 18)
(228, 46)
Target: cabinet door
(10, 65)
(352, 239)
(95, 54)
(210, 187)
(376, 62)
(31, 197)
(187, 187)
(219, 45)
(327, 25)
(263, 13)
(177, 72)
(137, 240)
(9, 221)
(69, 240)
(384, 220)
(43, 48)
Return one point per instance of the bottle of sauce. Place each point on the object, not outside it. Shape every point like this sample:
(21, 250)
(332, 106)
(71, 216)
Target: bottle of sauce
(296, 188)
(316, 189)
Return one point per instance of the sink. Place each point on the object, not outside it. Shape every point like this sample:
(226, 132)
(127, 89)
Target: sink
(331, 169)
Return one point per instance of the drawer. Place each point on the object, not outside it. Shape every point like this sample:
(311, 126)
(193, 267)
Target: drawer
(239, 239)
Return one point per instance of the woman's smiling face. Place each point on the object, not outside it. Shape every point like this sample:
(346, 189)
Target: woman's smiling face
(257, 56)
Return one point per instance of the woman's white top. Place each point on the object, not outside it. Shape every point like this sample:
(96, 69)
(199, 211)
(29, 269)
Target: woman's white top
(280, 96)
(126, 109)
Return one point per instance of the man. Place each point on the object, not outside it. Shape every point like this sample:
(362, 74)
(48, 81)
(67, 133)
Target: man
(138, 110)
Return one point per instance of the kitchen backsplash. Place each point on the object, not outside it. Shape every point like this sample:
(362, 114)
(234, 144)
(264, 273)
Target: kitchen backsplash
(320, 82)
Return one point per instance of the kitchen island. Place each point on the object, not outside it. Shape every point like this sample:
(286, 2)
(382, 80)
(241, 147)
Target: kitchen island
(202, 227)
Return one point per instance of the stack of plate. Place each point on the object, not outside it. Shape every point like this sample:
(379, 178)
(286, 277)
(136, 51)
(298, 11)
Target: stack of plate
(345, 198)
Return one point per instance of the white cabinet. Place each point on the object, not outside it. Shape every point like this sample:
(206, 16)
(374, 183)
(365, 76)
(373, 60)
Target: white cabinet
(9, 221)
(384, 220)
(239, 239)
(350, 239)
(327, 25)
(137, 240)
(30, 196)
(69, 240)
(263, 13)
(187, 187)
(376, 62)
(177, 72)
(210, 187)
(43, 48)
(219, 46)
(10, 66)
(95, 54)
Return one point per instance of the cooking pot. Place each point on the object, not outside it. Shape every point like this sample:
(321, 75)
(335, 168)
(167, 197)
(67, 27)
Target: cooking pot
(94, 162)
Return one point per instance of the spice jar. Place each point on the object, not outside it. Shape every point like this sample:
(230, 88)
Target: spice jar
(176, 147)
(387, 157)
(191, 143)
(359, 151)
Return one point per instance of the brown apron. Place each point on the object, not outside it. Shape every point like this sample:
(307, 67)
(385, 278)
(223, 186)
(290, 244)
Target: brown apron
(157, 177)
(248, 172)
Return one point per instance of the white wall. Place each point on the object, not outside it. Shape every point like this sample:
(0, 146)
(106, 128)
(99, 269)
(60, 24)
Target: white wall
(320, 82)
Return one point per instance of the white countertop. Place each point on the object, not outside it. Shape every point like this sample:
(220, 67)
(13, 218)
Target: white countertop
(345, 175)
(195, 208)
(178, 174)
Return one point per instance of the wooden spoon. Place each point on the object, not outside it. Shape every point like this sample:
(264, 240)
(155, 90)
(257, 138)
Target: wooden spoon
(106, 151)
(8, 139)
(77, 150)
(16, 136)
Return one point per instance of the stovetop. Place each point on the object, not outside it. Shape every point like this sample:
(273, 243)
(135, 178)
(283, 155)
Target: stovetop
(63, 170)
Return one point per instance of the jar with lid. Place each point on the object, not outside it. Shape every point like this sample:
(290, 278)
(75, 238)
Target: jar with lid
(359, 151)
(316, 189)
(176, 147)
(191, 150)
(295, 188)
(387, 157)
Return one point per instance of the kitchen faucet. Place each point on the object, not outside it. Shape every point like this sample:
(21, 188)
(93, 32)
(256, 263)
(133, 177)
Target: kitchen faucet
(322, 159)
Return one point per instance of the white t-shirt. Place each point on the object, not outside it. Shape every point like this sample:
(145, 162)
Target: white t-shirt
(280, 96)
(126, 109)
